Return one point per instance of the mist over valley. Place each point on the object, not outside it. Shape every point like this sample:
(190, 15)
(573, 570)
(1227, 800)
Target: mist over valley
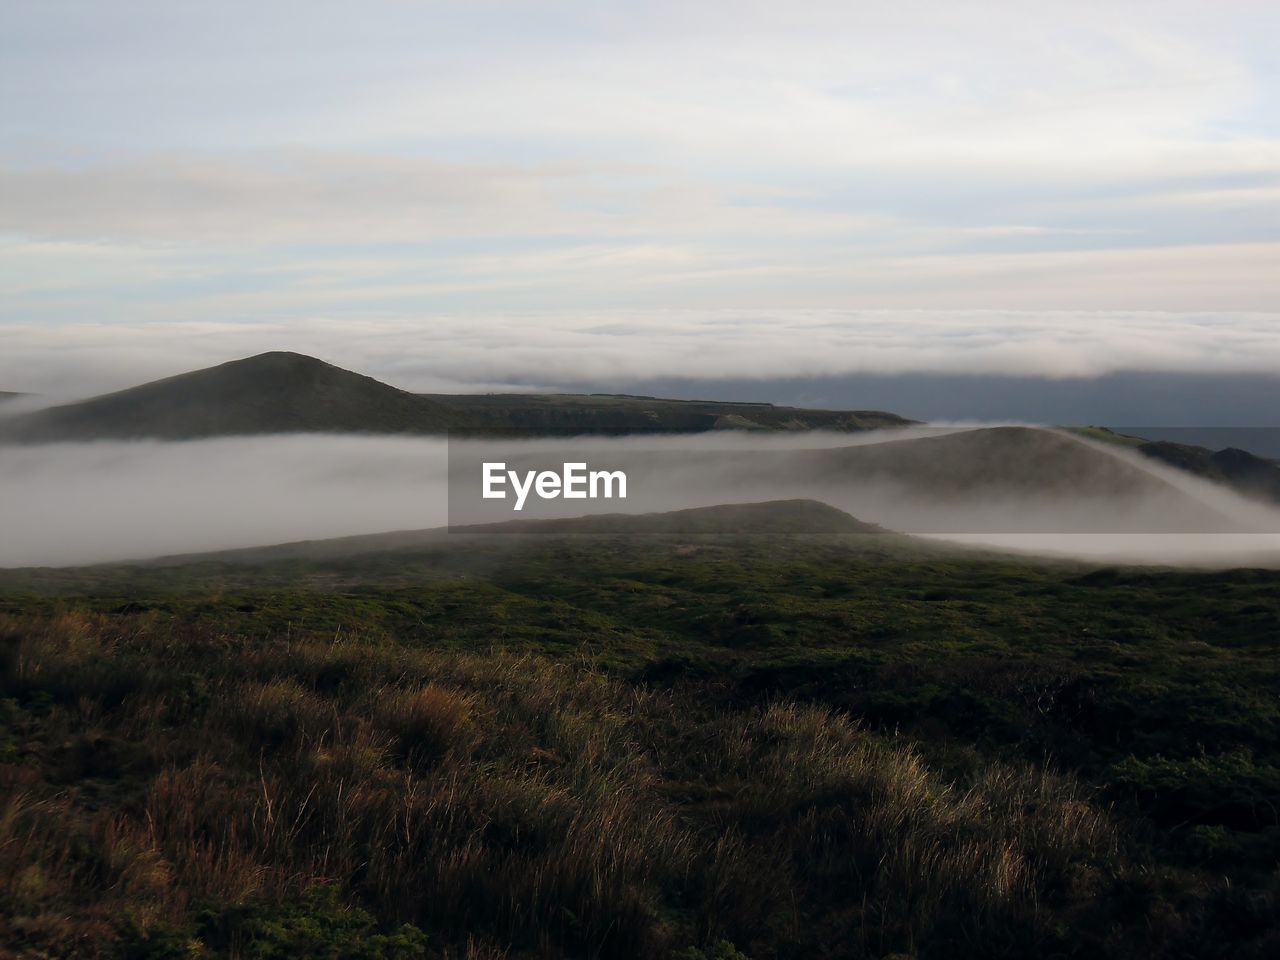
(159, 469)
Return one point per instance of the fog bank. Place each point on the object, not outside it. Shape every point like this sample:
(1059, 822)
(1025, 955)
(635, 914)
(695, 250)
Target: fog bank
(66, 504)
(634, 350)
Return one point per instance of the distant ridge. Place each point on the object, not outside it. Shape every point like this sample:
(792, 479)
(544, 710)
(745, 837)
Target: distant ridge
(282, 392)
(563, 414)
(775, 517)
(770, 517)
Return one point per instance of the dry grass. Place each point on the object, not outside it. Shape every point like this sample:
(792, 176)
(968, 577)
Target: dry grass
(430, 723)
(505, 805)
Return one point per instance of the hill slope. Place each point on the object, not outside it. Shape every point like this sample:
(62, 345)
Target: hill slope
(733, 519)
(271, 393)
(552, 744)
(1245, 472)
(772, 517)
(284, 392)
(1011, 479)
(1248, 473)
(995, 460)
(559, 414)
(990, 480)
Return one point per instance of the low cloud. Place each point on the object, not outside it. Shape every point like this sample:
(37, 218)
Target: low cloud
(84, 503)
(467, 353)
(69, 504)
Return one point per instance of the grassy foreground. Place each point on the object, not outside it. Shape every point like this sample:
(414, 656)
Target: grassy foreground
(790, 747)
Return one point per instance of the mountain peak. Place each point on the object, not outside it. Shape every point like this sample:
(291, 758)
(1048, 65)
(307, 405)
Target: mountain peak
(275, 392)
(280, 363)
(280, 357)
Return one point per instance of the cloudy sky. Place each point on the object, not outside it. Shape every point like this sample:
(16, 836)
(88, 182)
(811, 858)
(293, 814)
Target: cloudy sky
(658, 188)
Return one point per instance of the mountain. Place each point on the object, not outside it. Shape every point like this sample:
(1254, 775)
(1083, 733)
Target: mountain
(987, 480)
(1016, 479)
(1245, 472)
(993, 461)
(271, 393)
(994, 480)
(284, 392)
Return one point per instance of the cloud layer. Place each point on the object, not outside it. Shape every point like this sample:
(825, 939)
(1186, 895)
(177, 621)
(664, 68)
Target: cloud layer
(463, 353)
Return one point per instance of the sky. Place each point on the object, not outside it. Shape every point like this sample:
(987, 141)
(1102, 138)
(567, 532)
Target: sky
(512, 193)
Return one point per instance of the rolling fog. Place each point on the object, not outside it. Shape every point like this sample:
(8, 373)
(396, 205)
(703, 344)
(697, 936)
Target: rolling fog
(67, 504)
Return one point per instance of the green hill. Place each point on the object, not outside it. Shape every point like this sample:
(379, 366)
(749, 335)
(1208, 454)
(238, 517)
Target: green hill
(1001, 479)
(994, 459)
(1246, 472)
(779, 517)
(284, 392)
(773, 517)
(270, 393)
(560, 414)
